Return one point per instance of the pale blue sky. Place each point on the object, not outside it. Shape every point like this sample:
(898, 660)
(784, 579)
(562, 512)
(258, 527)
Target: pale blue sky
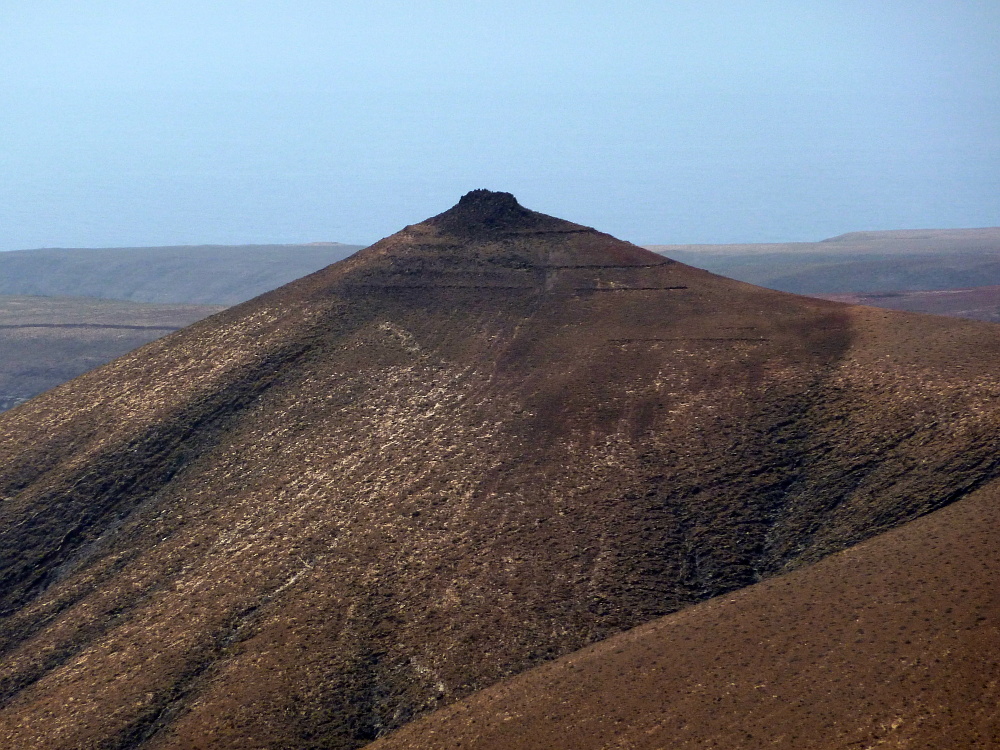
(180, 122)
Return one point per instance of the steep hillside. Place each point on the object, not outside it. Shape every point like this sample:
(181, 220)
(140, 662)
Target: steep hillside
(486, 441)
(894, 643)
(197, 274)
(45, 341)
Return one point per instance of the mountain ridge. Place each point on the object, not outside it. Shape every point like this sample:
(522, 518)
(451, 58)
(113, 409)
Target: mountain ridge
(45, 341)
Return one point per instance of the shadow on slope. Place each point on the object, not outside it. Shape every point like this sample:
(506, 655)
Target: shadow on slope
(893, 643)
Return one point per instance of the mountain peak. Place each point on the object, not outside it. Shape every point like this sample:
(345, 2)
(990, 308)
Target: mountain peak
(487, 229)
(487, 212)
(489, 200)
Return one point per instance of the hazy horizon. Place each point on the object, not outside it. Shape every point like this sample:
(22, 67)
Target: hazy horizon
(710, 122)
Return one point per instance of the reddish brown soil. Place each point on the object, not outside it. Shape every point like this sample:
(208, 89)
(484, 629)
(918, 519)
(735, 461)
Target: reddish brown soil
(484, 442)
(894, 643)
(977, 303)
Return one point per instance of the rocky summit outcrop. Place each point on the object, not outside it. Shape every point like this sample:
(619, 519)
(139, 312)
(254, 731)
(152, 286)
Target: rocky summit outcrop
(484, 442)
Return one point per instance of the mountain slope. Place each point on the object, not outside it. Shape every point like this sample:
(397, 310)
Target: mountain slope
(894, 643)
(488, 440)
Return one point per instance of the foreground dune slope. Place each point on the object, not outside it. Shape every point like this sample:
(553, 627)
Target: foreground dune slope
(488, 440)
(894, 643)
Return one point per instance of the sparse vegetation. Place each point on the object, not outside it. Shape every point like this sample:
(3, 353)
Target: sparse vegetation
(325, 512)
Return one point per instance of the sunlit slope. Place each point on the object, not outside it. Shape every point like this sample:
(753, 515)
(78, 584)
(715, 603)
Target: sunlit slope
(486, 441)
(894, 643)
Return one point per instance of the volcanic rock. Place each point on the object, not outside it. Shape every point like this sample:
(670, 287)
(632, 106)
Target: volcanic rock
(893, 643)
(484, 442)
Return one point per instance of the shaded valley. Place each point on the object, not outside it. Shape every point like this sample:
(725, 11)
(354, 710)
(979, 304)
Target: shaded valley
(892, 643)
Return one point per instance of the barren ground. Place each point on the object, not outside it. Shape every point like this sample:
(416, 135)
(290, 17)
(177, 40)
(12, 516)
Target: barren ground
(894, 643)
(481, 444)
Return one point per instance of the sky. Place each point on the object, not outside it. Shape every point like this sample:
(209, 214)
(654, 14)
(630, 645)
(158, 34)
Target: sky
(128, 123)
